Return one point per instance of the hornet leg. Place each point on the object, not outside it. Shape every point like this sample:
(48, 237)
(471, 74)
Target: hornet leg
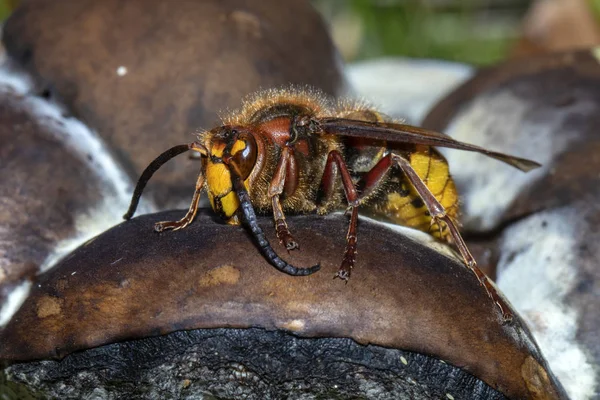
(276, 188)
(189, 216)
(335, 162)
(438, 213)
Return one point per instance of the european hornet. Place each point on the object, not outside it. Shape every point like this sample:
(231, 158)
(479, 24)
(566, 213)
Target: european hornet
(295, 150)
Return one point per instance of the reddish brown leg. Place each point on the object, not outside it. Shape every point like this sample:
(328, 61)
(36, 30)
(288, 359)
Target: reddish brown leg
(327, 187)
(283, 233)
(350, 252)
(336, 161)
(371, 180)
(438, 213)
(276, 188)
(189, 217)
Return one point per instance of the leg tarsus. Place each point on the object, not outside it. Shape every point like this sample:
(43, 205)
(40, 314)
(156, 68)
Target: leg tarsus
(281, 228)
(471, 264)
(173, 225)
(189, 216)
(335, 165)
(284, 236)
(350, 253)
(348, 261)
(276, 189)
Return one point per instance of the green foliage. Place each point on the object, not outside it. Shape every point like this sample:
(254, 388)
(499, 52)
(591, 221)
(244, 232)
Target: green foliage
(472, 31)
(595, 5)
(4, 10)
(6, 7)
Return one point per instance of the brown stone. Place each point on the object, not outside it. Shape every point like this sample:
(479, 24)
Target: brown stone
(131, 282)
(44, 185)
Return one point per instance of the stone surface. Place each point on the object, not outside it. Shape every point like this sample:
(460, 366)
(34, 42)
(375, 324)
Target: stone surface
(131, 282)
(548, 109)
(146, 74)
(49, 188)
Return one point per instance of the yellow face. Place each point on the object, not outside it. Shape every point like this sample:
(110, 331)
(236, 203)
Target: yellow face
(221, 195)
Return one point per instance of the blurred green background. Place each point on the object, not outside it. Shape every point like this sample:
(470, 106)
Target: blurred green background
(5, 7)
(473, 31)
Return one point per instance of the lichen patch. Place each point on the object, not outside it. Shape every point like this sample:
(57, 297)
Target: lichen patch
(48, 306)
(223, 275)
(536, 378)
(294, 325)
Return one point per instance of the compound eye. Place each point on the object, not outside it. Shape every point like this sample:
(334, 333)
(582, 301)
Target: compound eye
(244, 154)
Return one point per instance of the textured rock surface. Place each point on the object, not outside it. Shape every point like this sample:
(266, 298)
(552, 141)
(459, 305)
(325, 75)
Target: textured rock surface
(131, 282)
(250, 364)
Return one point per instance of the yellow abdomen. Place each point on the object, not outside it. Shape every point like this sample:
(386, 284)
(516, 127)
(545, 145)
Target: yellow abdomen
(403, 205)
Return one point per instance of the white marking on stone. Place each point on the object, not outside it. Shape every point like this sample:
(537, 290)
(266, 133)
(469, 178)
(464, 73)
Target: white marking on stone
(122, 71)
(294, 325)
(13, 302)
(488, 186)
(537, 270)
(116, 261)
(418, 236)
(116, 187)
